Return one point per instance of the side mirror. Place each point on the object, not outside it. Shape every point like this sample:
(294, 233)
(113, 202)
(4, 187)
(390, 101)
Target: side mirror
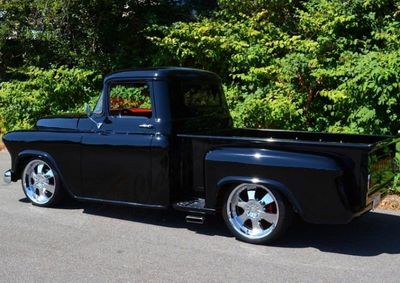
(88, 111)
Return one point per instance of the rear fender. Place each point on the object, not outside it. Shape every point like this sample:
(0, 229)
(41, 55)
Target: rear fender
(310, 182)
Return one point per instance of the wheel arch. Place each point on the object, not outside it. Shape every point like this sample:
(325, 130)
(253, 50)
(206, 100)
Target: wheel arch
(227, 183)
(25, 156)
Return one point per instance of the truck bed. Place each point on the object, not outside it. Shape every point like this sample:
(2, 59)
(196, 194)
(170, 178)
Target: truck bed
(356, 154)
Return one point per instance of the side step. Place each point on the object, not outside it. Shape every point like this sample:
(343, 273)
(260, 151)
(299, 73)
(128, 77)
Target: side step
(196, 219)
(195, 206)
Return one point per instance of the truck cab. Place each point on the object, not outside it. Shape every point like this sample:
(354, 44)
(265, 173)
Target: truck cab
(142, 112)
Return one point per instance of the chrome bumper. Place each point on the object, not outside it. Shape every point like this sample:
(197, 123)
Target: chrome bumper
(7, 178)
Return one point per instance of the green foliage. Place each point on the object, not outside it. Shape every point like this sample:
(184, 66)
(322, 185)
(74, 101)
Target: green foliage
(329, 66)
(262, 109)
(87, 34)
(396, 183)
(45, 92)
(367, 90)
(323, 65)
(41, 36)
(129, 96)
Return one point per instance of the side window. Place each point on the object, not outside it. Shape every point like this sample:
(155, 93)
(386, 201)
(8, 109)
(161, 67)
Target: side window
(130, 99)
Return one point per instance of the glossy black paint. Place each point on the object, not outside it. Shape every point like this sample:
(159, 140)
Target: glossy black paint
(324, 176)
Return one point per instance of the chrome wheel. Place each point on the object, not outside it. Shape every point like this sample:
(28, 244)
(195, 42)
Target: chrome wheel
(252, 211)
(39, 182)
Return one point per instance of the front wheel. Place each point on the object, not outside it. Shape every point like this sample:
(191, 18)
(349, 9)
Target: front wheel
(41, 183)
(256, 214)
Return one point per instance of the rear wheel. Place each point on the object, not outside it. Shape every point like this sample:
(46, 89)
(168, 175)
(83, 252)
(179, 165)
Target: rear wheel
(41, 183)
(256, 214)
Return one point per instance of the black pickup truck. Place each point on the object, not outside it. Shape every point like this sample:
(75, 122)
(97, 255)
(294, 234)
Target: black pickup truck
(164, 138)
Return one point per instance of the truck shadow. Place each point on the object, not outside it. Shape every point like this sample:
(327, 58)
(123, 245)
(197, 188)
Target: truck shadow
(372, 234)
(214, 225)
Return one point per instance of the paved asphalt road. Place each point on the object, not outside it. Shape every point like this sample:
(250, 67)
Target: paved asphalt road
(101, 243)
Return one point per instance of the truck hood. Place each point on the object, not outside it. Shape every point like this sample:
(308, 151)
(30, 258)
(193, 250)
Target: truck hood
(65, 121)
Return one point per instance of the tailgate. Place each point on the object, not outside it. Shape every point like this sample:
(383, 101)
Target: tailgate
(382, 165)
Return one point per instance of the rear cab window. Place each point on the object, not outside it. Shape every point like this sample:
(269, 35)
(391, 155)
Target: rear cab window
(198, 104)
(193, 98)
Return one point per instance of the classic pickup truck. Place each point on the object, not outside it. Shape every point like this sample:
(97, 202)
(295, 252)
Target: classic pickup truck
(164, 138)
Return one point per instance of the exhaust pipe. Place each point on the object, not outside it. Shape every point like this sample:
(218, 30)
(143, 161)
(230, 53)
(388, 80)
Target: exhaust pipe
(194, 219)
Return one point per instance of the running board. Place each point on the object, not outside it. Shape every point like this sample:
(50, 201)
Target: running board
(196, 206)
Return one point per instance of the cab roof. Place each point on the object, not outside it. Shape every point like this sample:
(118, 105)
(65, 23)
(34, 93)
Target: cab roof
(160, 72)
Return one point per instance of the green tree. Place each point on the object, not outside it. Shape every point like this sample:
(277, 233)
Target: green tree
(310, 65)
(44, 92)
(105, 34)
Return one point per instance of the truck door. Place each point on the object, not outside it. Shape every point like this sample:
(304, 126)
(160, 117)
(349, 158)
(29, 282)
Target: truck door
(116, 158)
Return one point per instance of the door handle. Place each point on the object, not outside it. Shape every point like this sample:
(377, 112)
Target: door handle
(146, 126)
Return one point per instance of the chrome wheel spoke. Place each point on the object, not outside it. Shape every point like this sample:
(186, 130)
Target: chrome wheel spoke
(34, 193)
(49, 174)
(269, 217)
(243, 218)
(241, 204)
(238, 201)
(41, 198)
(40, 168)
(49, 188)
(255, 223)
(267, 199)
(251, 194)
(34, 176)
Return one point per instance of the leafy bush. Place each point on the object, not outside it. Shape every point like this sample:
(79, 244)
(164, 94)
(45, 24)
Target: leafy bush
(128, 96)
(318, 65)
(43, 92)
(396, 184)
(86, 34)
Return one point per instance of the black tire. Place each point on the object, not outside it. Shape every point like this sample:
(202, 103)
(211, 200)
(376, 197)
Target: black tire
(267, 232)
(41, 183)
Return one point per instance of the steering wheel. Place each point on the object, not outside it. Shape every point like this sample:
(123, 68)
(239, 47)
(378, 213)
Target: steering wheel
(125, 112)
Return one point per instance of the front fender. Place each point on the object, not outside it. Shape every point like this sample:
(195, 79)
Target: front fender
(60, 148)
(25, 155)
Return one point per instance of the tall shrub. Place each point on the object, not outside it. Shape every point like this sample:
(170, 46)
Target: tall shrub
(321, 65)
(41, 92)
